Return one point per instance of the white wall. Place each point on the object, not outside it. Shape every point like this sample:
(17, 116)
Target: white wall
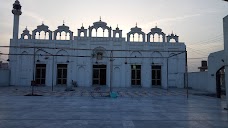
(215, 62)
(198, 80)
(4, 77)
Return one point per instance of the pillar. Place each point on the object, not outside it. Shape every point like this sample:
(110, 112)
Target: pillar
(225, 31)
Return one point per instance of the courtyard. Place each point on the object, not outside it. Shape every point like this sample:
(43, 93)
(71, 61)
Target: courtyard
(89, 108)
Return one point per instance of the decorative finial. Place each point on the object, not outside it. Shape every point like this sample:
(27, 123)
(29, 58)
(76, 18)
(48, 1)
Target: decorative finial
(100, 18)
(26, 28)
(136, 24)
(82, 24)
(63, 23)
(156, 25)
(42, 22)
(117, 26)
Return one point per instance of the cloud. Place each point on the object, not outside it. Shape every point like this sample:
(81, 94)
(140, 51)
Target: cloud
(174, 19)
(34, 16)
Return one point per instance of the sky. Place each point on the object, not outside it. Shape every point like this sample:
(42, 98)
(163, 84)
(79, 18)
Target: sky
(198, 23)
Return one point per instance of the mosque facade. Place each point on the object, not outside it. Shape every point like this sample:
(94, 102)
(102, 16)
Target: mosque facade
(61, 57)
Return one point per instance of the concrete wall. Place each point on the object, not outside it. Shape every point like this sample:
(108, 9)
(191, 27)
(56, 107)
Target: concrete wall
(198, 80)
(215, 62)
(4, 77)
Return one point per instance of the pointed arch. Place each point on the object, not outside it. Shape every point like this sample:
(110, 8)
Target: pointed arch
(136, 57)
(62, 56)
(157, 58)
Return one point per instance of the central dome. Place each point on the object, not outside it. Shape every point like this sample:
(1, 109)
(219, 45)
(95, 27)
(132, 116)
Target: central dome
(100, 23)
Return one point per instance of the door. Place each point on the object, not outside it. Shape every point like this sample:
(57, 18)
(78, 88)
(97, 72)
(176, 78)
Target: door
(62, 74)
(99, 74)
(135, 74)
(40, 74)
(156, 75)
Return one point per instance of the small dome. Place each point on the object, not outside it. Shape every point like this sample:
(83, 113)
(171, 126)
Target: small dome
(26, 30)
(100, 23)
(156, 29)
(17, 5)
(43, 27)
(63, 27)
(136, 29)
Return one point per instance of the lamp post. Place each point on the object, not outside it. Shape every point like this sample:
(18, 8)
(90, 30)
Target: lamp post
(111, 70)
(34, 70)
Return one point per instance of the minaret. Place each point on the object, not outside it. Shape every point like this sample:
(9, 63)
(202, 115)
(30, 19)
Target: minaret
(17, 12)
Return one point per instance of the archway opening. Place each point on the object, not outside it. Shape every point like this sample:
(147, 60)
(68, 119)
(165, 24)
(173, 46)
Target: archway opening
(58, 37)
(136, 37)
(100, 32)
(67, 36)
(172, 41)
(26, 37)
(106, 33)
(82, 34)
(156, 38)
(220, 82)
(117, 35)
(131, 38)
(42, 35)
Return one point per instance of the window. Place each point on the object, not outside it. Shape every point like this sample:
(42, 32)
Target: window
(99, 56)
(99, 74)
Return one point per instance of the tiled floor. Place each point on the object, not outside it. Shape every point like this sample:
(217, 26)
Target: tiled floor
(133, 108)
(85, 92)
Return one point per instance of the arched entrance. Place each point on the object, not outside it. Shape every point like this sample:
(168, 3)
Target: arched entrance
(220, 82)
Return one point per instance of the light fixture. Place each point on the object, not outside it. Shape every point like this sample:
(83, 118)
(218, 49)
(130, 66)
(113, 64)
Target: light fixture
(125, 61)
(8, 60)
(38, 60)
(67, 61)
(134, 66)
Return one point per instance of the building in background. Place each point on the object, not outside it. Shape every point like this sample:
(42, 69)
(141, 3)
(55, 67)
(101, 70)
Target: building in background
(98, 55)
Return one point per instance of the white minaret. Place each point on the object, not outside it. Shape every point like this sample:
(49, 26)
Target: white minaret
(17, 12)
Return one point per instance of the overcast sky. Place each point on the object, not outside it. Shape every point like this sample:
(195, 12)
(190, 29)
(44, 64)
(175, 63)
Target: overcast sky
(198, 23)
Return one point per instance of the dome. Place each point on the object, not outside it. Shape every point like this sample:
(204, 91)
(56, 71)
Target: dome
(63, 27)
(156, 29)
(44, 27)
(100, 23)
(26, 30)
(17, 5)
(136, 29)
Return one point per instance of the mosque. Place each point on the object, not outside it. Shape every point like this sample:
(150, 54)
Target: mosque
(60, 58)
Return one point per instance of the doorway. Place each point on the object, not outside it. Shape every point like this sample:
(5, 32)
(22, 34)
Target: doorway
(220, 82)
(40, 74)
(156, 75)
(136, 75)
(99, 74)
(62, 74)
